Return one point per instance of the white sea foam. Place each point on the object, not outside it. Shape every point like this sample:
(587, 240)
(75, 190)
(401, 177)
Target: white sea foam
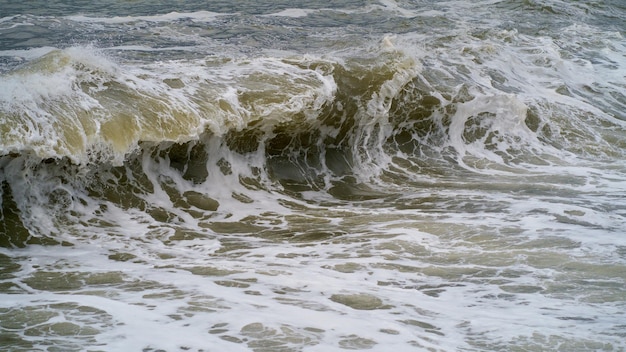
(295, 13)
(199, 16)
(208, 98)
(393, 6)
(28, 54)
(503, 230)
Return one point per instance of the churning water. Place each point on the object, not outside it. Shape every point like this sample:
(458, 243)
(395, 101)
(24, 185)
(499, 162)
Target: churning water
(293, 176)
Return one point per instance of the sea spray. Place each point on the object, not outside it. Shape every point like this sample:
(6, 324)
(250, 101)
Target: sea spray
(312, 177)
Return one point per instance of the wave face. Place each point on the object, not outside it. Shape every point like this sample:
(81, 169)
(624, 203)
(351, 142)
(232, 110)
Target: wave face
(345, 175)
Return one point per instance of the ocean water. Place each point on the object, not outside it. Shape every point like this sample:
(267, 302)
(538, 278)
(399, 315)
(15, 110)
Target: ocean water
(381, 175)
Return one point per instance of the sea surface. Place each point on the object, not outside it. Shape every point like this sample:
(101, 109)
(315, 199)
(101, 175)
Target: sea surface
(408, 175)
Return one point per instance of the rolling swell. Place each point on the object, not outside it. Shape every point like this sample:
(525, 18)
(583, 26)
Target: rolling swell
(88, 135)
(97, 135)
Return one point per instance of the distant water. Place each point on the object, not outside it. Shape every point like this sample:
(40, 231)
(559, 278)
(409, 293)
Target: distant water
(246, 175)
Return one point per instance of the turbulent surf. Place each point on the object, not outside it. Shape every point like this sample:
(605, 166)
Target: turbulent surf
(349, 175)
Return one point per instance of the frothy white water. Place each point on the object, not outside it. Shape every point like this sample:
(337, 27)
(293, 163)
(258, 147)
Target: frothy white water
(378, 286)
(199, 16)
(457, 185)
(76, 103)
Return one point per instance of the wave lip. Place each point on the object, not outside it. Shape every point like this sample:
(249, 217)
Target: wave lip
(74, 102)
